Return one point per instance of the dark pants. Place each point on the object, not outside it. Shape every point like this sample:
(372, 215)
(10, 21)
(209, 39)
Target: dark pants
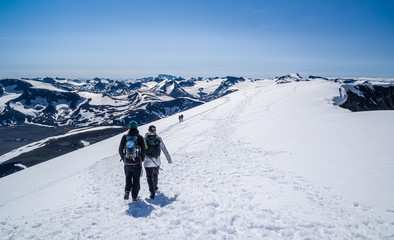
(152, 174)
(133, 174)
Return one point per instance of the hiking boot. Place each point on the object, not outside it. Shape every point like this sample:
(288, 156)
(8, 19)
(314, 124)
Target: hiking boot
(135, 199)
(152, 195)
(126, 195)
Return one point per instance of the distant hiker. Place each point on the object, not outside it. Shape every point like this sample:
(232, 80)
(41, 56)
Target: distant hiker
(132, 151)
(180, 118)
(154, 146)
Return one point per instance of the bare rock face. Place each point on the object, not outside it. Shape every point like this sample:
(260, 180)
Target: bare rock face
(367, 97)
(294, 77)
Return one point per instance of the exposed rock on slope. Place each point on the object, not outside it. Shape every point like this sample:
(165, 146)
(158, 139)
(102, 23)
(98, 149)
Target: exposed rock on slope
(365, 97)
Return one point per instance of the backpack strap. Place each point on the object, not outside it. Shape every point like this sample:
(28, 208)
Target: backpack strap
(133, 138)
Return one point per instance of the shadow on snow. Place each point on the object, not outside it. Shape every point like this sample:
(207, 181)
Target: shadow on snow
(162, 200)
(140, 208)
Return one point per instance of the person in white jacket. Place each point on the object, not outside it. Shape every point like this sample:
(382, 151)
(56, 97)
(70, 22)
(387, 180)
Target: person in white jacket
(154, 145)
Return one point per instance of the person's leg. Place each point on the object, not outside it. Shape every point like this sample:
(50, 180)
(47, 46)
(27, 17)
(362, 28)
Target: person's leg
(149, 178)
(155, 176)
(128, 175)
(136, 181)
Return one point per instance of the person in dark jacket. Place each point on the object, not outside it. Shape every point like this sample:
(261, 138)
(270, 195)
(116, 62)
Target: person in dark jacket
(132, 151)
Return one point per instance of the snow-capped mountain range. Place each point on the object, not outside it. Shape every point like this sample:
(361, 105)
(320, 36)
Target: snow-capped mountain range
(96, 102)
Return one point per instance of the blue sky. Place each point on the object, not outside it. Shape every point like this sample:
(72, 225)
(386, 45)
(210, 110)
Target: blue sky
(119, 38)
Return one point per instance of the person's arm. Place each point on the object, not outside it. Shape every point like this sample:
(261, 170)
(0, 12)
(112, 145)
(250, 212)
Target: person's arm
(164, 149)
(121, 146)
(142, 146)
(145, 138)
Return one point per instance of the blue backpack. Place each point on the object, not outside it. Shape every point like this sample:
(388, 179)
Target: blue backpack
(132, 149)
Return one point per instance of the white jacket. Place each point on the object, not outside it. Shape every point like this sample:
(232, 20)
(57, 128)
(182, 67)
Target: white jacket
(153, 162)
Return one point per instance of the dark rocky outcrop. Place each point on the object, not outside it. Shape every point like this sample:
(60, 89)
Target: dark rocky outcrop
(367, 97)
(223, 89)
(49, 80)
(187, 83)
(15, 84)
(317, 77)
(289, 78)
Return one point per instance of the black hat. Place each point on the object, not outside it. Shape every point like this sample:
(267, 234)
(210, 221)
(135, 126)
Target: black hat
(152, 128)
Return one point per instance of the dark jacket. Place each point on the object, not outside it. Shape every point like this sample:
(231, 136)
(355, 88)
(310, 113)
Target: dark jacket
(140, 142)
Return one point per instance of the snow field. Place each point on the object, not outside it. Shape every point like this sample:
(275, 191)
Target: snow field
(228, 180)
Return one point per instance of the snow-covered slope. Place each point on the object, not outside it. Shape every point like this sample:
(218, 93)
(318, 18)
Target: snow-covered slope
(270, 161)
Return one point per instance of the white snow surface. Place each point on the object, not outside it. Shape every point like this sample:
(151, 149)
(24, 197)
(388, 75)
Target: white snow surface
(7, 97)
(43, 85)
(208, 86)
(99, 99)
(266, 162)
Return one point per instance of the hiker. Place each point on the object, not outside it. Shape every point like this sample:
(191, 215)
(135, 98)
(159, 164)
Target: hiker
(180, 118)
(132, 152)
(154, 146)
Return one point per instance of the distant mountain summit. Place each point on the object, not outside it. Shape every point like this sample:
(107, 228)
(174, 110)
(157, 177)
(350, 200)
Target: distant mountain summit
(293, 77)
(170, 88)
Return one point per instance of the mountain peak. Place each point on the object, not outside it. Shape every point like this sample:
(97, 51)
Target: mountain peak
(292, 77)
